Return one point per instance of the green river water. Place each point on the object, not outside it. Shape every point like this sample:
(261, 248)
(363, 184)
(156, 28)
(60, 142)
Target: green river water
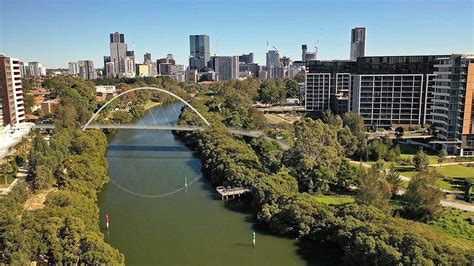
(154, 220)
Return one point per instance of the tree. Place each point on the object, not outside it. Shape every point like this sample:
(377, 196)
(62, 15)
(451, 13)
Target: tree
(393, 178)
(420, 160)
(423, 196)
(442, 155)
(373, 190)
(272, 91)
(316, 154)
(399, 131)
(292, 89)
(356, 123)
(6, 171)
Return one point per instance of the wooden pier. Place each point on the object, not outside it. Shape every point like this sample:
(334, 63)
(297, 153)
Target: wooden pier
(231, 193)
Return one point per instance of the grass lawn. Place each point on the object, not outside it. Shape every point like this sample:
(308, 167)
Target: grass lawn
(456, 171)
(335, 200)
(457, 223)
(150, 104)
(409, 151)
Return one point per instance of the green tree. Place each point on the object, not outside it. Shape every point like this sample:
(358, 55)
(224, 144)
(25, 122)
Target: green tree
(373, 190)
(316, 154)
(423, 196)
(272, 91)
(393, 178)
(356, 124)
(399, 131)
(6, 171)
(420, 160)
(442, 155)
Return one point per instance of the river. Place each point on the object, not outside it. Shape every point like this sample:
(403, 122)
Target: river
(155, 220)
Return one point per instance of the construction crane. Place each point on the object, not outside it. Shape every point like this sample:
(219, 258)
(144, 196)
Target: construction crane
(317, 42)
(217, 46)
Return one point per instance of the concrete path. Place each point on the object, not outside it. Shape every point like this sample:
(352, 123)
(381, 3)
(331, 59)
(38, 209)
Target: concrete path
(457, 204)
(22, 173)
(445, 164)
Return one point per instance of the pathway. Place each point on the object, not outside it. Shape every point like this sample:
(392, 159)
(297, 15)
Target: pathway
(451, 203)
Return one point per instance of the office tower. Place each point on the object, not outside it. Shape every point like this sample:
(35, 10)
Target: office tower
(453, 114)
(108, 67)
(387, 91)
(226, 67)
(304, 50)
(199, 51)
(358, 36)
(12, 108)
(73, 68)
(273, 58)
(147, 58)
(246, 58)
(86, 69)
(123, 61)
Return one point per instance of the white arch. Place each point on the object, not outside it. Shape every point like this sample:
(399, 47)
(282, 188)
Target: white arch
(144, 88)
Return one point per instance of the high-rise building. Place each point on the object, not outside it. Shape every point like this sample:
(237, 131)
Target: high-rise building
(87, 69)
(358, 36)
(453, 114)
(73, 68)
(226, 67)
(273, 58)
(304, 50)
(122, 61)
(246, 58)
(147, 58)
(199, 51)
(12, 108)
(385, 90)
(32, 69)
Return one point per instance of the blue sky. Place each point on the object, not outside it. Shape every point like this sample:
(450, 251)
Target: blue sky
(59, 31)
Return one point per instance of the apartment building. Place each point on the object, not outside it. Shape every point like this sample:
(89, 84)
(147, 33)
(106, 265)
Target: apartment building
(386, 90)
(452, 108)
(12, 108)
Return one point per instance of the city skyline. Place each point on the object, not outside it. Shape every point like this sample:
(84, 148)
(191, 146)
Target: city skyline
(304, 22)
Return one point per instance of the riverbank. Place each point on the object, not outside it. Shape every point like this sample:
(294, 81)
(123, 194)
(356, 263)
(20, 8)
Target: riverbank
(151, 224)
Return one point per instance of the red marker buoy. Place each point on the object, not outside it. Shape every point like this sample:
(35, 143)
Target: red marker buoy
(107, 221)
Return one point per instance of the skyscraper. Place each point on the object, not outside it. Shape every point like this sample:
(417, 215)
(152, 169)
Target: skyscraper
(358, 36)
(273, 58)
(73, 68)
(123, 61)
(147, 58)
(226, 67)
(199, 51)
(304, 50)
(12, 108)
(453, 113)
(86, 69)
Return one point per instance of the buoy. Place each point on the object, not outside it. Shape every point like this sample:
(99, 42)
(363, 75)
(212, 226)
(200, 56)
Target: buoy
(253, 239)
(107, 221)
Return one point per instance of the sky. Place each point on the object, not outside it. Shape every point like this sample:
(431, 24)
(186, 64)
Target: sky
(56, 32)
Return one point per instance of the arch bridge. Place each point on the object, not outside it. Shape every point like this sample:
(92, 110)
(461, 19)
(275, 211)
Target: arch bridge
(90, 125)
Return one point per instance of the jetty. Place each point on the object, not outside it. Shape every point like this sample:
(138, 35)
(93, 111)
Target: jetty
(231, 193)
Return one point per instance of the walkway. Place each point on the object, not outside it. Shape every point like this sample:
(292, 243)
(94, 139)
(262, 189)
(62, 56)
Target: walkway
(22, 173)
(454, 204)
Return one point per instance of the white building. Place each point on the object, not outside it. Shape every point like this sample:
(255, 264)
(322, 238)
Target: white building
(106, 89)
(73, 68)
(32, 69)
